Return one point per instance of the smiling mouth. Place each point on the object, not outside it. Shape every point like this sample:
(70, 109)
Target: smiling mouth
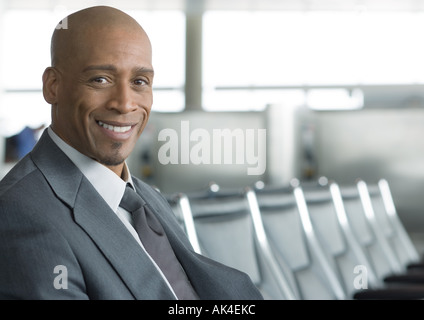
(118, 129)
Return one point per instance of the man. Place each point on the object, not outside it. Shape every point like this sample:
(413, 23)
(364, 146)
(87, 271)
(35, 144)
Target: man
(63, 231)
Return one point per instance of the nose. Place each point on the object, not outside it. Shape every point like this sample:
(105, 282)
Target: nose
(122, 99)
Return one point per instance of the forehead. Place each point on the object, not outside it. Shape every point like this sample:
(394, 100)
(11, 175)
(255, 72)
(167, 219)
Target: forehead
(121, 48)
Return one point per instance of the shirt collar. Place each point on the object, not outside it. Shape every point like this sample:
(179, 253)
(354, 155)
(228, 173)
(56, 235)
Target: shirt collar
(109, 185)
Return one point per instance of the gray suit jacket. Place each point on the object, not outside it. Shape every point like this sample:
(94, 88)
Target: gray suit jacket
(60, 240)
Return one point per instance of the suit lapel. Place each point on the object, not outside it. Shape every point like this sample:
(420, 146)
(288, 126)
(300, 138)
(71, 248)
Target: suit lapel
(93, 215)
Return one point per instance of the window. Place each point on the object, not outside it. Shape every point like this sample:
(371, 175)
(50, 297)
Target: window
(277, 52)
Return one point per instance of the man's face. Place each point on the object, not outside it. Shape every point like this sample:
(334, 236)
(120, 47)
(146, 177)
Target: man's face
(104, 95)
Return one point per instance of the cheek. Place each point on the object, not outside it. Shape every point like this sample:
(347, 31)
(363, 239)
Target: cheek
(83, 104)
(147, 103)
(75, 121)
(146, 116)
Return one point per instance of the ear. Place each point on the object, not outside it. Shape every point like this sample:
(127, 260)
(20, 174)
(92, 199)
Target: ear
(50, 85)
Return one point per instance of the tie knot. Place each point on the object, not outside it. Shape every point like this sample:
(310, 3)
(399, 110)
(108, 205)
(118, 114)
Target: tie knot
(131, 201)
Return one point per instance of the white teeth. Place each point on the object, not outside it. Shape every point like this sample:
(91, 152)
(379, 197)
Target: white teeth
(114, 128)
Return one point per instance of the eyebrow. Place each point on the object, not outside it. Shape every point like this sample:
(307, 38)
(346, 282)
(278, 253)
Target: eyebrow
(106, 67)
(110, 67)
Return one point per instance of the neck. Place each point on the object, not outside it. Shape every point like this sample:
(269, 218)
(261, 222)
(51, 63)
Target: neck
(121, 170)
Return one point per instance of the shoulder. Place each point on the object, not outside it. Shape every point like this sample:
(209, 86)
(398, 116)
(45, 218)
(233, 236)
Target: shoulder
(154, 199)
(25, 188)
(150, 194)
(14, 179)
(160, 205)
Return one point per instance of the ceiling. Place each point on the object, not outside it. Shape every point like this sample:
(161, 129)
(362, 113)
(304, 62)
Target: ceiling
(200, 5)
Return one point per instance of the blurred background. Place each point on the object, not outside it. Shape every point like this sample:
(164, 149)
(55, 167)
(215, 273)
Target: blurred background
(338, 85)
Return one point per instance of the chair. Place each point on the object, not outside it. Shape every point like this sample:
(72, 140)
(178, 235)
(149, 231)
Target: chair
(295, 244)
(342, 246)
(321, 209)
(360, 214)
(181, 208)
(382, 216)
(223, 230)
(387, 219)
(324, 208)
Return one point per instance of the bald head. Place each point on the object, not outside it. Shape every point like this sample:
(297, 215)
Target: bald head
(88, 26)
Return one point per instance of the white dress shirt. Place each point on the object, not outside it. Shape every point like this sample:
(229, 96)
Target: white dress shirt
(108, 184)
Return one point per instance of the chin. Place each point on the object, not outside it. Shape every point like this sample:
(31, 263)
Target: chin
(112, 161)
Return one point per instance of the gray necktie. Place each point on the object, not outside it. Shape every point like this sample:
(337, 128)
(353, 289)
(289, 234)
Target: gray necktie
(157, 244)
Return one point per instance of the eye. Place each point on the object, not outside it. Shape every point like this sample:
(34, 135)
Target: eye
(99, 80)
(140, 82)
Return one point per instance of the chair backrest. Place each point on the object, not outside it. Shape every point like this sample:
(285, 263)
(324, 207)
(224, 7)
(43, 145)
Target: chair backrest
(225, 232)
(360, 216)
(380, 226)
(333, 232)
(371, 278)
(296, 249)
(387, 220)
(181, 207)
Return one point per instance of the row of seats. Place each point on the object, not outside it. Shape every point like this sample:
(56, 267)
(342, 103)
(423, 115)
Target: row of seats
(307, 240)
